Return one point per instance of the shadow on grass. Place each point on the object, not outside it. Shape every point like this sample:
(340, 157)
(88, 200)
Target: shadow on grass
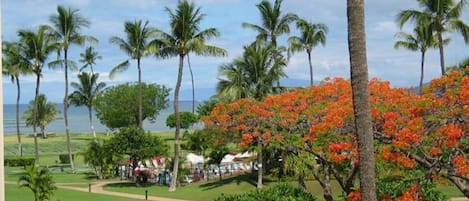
(242, 178)
(130, 185)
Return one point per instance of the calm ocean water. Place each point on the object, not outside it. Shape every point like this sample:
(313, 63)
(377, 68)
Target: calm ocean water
(79, 121)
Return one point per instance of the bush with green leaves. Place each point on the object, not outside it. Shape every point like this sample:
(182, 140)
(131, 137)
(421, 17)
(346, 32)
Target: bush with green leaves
(19, 161)
(64, 158)
(394, 186)
(278, 192)
(187, 120)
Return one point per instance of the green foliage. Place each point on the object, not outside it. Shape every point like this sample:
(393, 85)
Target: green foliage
(135, 143)
(394, 186)
(279, 192)
(198, 141)
(19, 161)
(187, 120)
(206, 107)
(64, 159)
(46, 112)
(118, 106)
(39, 181)
(98, 156)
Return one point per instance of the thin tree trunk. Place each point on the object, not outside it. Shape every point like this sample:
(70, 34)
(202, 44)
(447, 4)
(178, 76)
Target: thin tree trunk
(192, 80)
(442, 54)
(18, 134)
(260, 166)
(67, 129)
(301, 180)
(90, 116)
(36, 145)
(361, 97)
(140, 110)
(422, 65)
(178, 125)
(325, 182)
(310, 68)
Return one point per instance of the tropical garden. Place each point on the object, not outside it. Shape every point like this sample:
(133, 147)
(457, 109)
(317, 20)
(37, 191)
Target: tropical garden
(356, 139)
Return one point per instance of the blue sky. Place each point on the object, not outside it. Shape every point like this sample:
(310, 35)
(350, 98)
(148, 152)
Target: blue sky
(107, 17)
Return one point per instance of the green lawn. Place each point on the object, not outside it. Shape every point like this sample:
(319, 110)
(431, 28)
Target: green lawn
(15, 193)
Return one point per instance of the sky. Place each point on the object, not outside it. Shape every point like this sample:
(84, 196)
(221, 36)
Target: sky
(107, 17)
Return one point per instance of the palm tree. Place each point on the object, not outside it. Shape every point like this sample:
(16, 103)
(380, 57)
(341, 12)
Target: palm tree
(311, 36)
(39, 181)
(250, 76)
(361, 98)
(443, 16)
(273, 25)
(186, 36)
(46, 112)
(89, 58)
(421, 40)
(68, 24)
(35, 47)
(86, 91)
(141, 42)
(14, 66)
(216, 156)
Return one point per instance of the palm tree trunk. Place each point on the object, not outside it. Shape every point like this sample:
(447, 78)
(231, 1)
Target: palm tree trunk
(67, 129)
(260, 167)
(310, 68)
(36, 95)
(140, 110)
(178, 125)
(90, 116)
(361, 97)
(192, 80)
(20, 146)
(442, 54)
(422, 65)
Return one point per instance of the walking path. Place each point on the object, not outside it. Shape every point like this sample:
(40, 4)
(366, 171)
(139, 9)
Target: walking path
(98, 188)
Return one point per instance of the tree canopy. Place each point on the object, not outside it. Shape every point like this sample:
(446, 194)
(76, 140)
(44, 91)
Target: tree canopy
(117, 106)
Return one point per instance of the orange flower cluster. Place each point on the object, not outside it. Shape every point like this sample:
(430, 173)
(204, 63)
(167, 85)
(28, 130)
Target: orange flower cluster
(321, 117)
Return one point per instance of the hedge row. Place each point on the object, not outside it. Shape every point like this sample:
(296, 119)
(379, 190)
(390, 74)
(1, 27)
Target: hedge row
(19, 161)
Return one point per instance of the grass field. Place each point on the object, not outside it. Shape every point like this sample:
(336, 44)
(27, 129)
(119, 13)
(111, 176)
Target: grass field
(14, 193)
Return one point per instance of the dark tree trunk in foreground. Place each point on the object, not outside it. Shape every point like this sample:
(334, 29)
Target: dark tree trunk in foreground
(361, 97)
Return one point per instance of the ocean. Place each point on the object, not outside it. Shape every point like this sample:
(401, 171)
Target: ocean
(79, 121)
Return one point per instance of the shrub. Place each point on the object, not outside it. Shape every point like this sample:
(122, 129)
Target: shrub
(64, 159)
(19, 161)
(279, 192)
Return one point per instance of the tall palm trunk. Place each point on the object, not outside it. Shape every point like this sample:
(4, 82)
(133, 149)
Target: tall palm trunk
(67, 129)
(192, 80)
(361, 97)
(178, 125)
(442, 54)
(140, 110)
(36, 96)
(90, 116)
(422, 65)
(20, 145)
(310, 68)
(260, 167)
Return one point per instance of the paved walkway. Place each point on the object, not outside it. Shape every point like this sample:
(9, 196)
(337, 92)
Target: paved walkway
(98, 188)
